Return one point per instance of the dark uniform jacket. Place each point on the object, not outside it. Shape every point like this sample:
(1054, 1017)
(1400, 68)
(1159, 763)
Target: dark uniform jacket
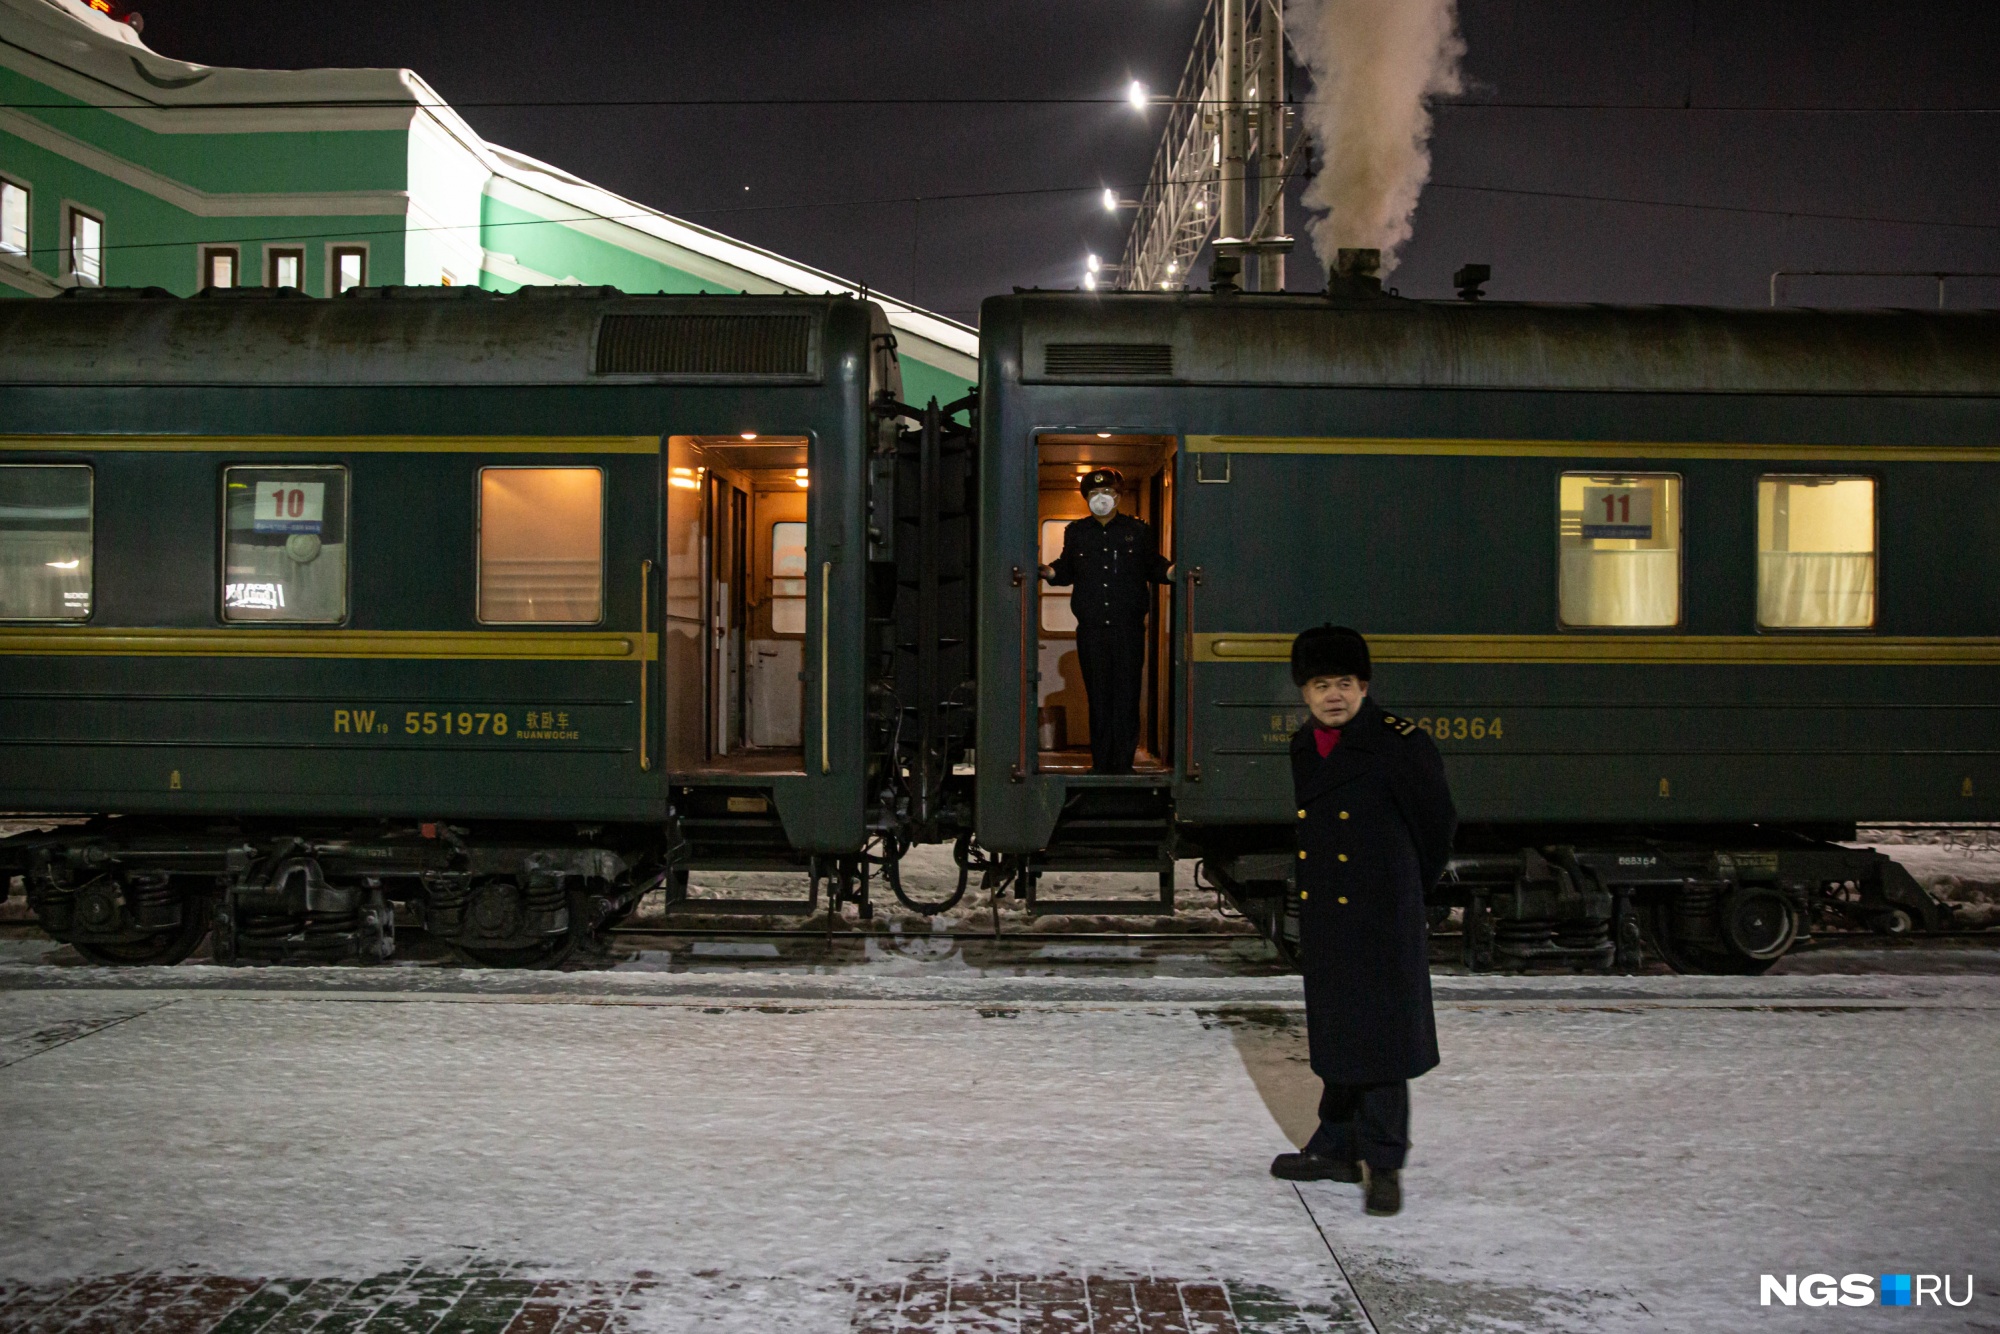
(1114, 567)
(1375, 824)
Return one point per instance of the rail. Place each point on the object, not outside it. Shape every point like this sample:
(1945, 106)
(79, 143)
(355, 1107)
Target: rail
(645, 660)
(1937, 275)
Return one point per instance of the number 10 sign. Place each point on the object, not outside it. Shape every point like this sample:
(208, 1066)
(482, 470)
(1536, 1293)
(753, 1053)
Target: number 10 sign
(1618, 511)
(289, 507)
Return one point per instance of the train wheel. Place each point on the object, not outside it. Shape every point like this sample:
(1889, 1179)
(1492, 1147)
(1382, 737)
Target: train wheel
(550, 953)
(157, 951)
(1893, 922)
(1760, 926)
(1659, 934)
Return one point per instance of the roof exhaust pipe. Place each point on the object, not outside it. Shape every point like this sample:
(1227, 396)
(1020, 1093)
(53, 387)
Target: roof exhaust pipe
(1356, 275)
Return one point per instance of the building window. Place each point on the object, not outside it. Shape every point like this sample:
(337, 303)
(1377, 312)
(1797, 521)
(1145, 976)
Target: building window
(285, 266)
(85, 257)
(1619, 539)
(13, 218)
(541, 546)
(46, 543)
(347, 266)
(1815, 553)
(220, 266)
(284, 552)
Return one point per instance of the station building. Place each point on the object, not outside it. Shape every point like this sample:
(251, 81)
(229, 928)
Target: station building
(121, 167)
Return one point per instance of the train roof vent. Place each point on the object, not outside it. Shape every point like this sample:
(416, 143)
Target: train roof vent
(707, 346)
(1124, 361)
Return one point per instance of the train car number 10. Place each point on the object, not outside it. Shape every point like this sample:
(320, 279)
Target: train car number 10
(1463, 729)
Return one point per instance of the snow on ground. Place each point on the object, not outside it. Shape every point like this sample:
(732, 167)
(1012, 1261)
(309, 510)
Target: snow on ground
(1601, 1154)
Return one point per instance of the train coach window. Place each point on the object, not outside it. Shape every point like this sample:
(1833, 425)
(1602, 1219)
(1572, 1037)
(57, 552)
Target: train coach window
(1815, 553)
(284, 552)
(1620, 543)
(541, 546)
(45, 542)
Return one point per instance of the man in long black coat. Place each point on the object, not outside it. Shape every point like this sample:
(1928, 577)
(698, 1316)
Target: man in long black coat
(1113, 561)
(1375, 824)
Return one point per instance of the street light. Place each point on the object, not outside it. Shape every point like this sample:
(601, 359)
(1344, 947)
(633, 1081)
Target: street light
(1136, 94)
(1090, 262)
(1110, 200)
(1090, 282)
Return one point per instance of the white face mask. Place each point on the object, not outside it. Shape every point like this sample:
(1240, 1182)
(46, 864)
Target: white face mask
(1103, 503)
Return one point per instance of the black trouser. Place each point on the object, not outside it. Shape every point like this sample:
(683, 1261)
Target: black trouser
(1113, 659)
(1365, 1122)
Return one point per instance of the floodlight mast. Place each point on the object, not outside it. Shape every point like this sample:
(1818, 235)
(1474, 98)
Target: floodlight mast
(1229, 108)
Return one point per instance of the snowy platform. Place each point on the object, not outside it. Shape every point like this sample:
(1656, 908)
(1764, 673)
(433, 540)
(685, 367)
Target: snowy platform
(198, 1149)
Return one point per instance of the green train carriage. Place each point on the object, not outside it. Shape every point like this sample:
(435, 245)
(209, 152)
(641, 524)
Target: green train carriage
(1656, 723)
(430, 596)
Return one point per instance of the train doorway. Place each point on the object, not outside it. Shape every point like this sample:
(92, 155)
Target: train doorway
(1062, 708)
(738, 536)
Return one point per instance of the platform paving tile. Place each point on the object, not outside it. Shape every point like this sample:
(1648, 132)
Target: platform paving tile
(423, 1301)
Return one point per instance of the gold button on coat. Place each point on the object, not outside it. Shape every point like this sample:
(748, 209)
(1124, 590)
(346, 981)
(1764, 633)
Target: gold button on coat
(1302, 893)
(1302, 854)
(1343, 856)
(1302, 815)
(1341, 899)
(1343, 814)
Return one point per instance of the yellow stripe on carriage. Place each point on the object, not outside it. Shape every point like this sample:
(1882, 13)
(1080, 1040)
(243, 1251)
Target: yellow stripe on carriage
(1658, 650)
(335, 444)
(1590, 449)
(112, 642)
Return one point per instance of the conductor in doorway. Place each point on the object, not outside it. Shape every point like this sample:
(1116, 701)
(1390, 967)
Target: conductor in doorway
(1375, 824)
(1113, 562)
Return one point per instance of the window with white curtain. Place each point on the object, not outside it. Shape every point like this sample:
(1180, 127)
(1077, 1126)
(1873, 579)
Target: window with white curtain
(1815, 552)
(1619, 541)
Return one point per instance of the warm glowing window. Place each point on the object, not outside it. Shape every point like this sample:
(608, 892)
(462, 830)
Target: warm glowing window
(1619, 537)
(86, 248)
(13, 218)
(219, 266)
(284, 553)
(1057, 613)
(45, 542)
(1816, 553)
(286, 268)
(788, 578)
(541, 545)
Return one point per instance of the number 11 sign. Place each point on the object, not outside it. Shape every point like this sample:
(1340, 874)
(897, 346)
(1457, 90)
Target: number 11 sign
(1618, 511)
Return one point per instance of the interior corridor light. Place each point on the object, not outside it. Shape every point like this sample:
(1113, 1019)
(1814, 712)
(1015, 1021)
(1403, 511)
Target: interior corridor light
(1137, 94)
(1104, 435)
(65, 564)
(749, 435)
(685, 483)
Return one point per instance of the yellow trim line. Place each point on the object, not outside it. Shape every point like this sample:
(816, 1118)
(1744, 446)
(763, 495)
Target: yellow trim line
(1588, 449)
(1630, 650)
(93, 641)
(335, 444)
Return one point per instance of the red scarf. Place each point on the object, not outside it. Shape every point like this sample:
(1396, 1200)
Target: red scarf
(1326, 738)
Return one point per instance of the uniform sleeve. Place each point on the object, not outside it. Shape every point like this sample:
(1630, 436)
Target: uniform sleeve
(1425, 798)
(1065, 564)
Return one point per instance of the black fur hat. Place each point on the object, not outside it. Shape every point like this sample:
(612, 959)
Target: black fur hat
(1099, 478)
(1329, 650)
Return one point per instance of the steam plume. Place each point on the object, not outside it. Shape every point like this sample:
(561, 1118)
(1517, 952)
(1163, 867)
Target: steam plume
(1374, 65)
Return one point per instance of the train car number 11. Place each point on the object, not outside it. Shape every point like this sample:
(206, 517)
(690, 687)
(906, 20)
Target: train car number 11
(1463, 729)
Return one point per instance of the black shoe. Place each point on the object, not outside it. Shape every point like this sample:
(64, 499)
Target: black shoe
(1385, 1192)
(1312, 1167)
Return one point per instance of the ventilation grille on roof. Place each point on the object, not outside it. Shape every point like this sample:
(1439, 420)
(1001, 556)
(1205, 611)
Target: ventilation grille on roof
(1150, 361)
(702, 345)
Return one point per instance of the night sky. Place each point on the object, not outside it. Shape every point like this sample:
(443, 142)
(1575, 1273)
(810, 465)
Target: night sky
(832, 186)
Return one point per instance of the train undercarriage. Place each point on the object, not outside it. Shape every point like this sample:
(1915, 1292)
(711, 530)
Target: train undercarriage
(139, 891)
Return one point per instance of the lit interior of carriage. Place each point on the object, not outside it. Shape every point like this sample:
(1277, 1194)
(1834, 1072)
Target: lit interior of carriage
(736, 600)
(1062, 717)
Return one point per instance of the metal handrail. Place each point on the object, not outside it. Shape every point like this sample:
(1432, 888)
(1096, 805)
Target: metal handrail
(1192, 766)
(1020, 774)
(1938, 274)
(825, 656)
(645, 661)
